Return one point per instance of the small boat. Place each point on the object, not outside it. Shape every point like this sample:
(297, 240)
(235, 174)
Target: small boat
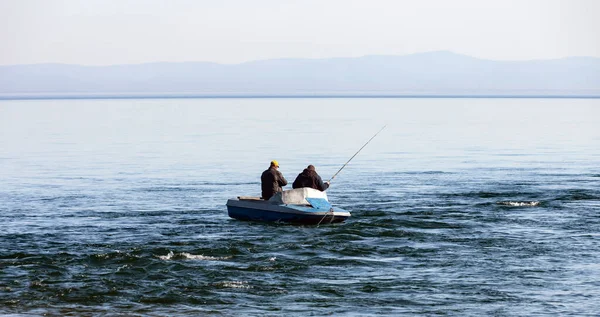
(299, 206)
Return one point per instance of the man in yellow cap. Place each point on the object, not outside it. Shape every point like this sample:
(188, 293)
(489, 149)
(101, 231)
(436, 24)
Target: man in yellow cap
(271, 181)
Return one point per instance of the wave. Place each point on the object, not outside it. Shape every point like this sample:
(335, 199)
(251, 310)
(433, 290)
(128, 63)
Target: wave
(64, 197)
(487, 194)
(519, 203)
(115, 257)
(421, 173)
(189, 256)
(580, 194)
(169, 189)
(232, 284)
(192, 187)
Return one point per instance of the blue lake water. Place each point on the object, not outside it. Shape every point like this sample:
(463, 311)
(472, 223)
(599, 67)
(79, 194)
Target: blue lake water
(463, 207)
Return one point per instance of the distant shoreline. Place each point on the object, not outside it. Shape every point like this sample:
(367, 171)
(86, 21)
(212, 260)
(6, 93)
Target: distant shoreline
(421, 75)
(290, 96)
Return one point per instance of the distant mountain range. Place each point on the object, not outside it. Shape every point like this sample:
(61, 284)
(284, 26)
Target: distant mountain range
(424, 74)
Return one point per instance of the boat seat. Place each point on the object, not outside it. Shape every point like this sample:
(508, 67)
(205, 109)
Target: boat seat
(297, 196)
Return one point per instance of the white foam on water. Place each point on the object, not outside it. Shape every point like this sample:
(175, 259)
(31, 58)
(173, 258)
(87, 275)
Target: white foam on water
(233, 284)
(203, 257)
(166, 257)
(189, 256)
(120, 268)
(519, 203)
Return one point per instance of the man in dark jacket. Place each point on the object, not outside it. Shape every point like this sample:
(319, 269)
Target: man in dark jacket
(310, 178)
(271, 181)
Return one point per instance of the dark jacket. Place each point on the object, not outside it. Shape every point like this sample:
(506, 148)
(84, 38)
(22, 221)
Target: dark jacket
(310, 179)
(271, 182)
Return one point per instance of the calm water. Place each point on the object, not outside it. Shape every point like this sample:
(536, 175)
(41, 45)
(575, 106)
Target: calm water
(462, 207)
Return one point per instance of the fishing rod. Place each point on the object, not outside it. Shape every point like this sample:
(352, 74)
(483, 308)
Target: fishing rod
(334, 175)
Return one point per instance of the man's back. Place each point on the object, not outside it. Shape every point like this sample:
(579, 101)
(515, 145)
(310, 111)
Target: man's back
(310, 178)
(271, 182)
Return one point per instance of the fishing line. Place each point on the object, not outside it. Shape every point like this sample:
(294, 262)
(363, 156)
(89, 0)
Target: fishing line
(334, 175)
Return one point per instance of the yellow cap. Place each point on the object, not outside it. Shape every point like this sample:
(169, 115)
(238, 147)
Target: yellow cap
(275, 163)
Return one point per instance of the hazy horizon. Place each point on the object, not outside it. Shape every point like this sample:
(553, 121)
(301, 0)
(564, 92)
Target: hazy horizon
(436, 73)
(313, 59)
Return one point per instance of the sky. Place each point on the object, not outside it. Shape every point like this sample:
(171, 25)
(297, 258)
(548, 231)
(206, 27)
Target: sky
(106, 32)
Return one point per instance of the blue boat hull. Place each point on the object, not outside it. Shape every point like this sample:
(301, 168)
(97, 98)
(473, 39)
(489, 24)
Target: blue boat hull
(263, 211)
